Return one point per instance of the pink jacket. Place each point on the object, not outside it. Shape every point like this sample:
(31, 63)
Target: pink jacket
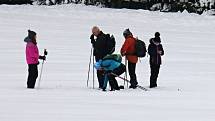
(32, 53)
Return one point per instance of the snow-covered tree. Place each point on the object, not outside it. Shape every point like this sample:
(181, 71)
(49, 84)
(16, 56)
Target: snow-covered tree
(16, 1)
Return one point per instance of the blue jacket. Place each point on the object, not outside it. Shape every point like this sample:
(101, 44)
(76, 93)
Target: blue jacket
(107, 65)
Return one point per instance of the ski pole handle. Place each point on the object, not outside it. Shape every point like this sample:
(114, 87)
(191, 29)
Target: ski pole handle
(45, 52)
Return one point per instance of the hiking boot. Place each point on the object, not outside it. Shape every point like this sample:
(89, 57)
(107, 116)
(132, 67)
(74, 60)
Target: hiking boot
(152, 86)
(133, 87)
(121, 87)
(117, 88)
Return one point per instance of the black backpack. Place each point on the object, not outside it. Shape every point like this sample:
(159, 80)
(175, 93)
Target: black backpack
(111, 43)
(140, 48)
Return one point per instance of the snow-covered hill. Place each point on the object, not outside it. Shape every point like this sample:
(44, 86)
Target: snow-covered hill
(186, 82)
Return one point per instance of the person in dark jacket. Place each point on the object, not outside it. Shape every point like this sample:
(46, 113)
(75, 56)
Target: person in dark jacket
(32, 56)
(155, 51)
(100, 49)
(128, 50)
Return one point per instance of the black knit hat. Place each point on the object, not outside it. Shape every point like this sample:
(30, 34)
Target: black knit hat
(126, 33)
(157, 34)
(157, 37)
(31, 34)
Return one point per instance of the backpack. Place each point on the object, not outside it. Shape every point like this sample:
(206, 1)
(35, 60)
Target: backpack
(140, 48)
(111, 43)
(116, 57)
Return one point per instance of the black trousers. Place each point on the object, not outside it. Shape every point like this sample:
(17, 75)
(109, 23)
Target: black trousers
(132, 74)
(112, 80)
(154, 74)
(32, 75)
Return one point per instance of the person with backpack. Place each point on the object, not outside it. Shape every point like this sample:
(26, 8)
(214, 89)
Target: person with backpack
(102, 45)
(109, 65)
(128, 50)
(32, 56)
(155, 51)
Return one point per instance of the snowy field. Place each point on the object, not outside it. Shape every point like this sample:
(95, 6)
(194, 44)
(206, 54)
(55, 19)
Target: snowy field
(186, 82)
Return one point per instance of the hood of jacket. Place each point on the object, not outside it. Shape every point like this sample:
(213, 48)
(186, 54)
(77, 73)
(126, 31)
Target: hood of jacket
(27, 39)
(155, 41)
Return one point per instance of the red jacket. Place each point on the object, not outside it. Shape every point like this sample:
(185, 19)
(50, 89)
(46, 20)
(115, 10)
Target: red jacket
(128, 49)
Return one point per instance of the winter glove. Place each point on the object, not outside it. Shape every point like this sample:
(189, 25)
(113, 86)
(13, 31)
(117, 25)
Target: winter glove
(160, 52)
(45, 52)
(92, 39)
(123, 53)
(101, 71)
(108, 72)
(42, 57)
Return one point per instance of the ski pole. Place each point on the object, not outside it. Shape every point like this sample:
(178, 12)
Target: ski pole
(40, 75)
(93, 74)
(89, 66)
(41, 72)
(140, 87)
(126, 73)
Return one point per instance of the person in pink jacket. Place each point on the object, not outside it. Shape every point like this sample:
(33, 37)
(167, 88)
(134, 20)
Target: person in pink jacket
(32, 56)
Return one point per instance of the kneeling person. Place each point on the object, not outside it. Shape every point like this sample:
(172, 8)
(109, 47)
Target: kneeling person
(108, 65)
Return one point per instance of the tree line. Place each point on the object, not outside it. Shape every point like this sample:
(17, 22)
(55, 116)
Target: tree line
(192, 6)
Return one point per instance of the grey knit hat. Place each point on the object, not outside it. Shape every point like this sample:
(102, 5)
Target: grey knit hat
(126, 33)
(31, 34)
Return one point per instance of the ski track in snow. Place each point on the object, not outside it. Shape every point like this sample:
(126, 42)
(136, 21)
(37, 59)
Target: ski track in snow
(186, 80)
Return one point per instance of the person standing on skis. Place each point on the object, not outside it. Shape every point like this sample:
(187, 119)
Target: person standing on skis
(128, 50)
(155, 51)
(32, 56)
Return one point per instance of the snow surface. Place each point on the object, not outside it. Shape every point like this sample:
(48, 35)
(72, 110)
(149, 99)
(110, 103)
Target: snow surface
(186, 82)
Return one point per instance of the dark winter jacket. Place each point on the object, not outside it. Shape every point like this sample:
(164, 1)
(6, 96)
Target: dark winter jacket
(153, 50)
(100, 46)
